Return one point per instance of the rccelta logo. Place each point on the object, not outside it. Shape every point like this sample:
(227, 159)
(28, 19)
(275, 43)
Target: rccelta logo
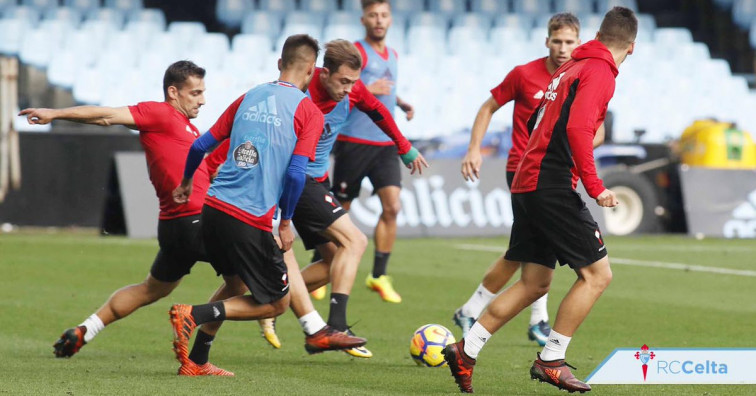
(644, 356)
(264, 112)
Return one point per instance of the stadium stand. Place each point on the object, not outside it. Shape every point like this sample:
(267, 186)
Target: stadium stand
(448, 50)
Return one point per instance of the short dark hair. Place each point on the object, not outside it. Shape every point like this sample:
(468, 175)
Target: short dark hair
(564, 20)
(177, 74)
(619, 27)
(368, 3)
(297, 48)
(341, 52)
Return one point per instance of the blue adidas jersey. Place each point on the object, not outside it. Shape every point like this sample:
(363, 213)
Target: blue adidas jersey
(335, 121)
(359, 125)
(262, 141)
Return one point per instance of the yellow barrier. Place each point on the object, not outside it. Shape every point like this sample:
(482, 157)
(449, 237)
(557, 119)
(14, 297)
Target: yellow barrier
(714, 144)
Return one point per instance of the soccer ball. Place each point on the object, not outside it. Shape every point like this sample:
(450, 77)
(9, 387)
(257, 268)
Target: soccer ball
(428, 342)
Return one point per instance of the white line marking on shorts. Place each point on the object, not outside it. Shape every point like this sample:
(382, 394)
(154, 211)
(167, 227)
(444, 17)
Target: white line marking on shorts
(633, 262)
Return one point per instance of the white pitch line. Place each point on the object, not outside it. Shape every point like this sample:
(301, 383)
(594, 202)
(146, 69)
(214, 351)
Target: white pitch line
(637, 263)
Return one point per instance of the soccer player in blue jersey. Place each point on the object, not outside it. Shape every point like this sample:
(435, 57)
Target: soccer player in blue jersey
(363, 150)
(272, 130)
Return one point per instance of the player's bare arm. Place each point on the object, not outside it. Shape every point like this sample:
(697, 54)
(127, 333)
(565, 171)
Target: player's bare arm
(472, 161)
(96, 115)
(598, 140)
(381, 86)
(286, 234)
(406, 108)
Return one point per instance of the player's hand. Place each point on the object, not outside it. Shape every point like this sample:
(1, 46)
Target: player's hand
(38, 116)
(182, 193)
(471, 165)
(607, 199)
(286, 234)
(407, 109)
(381, 87)
(417, 164)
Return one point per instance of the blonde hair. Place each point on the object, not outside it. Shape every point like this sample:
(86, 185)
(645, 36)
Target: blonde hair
(341, 52)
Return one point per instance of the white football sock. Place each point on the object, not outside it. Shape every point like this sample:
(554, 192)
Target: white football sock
(477, 302)
(94, 325)
(312, 323)
(538, 311)
(556, 347)
(476, 338)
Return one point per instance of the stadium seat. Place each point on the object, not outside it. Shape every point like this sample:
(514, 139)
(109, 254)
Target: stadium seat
(88, 86)
(320, 6)
(277, 5)
(426, 41)
(406, 6)
(501, 36)
(531, 7)
(606, 5)
(447, 7)
(86, 46)
(31, 15)
(251, 43)
(151, 15)
(347, 32)
(231, 12)
(124, 5)
(724, 4)
(72, 15)
(62, 68)
(143, 31)
(343, 18)
(12, 31)
(209, 49)
(396, 37)
(37, 47)
(752, 34)
(40, 5)
(262, 22)
(431, 19)
(743, 13)
(672, 36)
(524, 22)
(291, 29)
(186, 34)
(5, 4)
(576, 7)
(107, 15)
(481, 21)
(490, 7)
(351, 5)
(467, 42)
(304, 18)
(82, 5)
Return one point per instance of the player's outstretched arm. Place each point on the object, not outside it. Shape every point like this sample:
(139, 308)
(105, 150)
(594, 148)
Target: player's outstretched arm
(96, 115)
(473, 160)
(414, 161)
(406, 108)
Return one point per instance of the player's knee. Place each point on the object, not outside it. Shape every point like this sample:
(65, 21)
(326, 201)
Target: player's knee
(360, 242)
(391, 210)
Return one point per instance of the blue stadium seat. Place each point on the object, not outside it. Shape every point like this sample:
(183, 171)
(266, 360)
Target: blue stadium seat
(31, 15)
(82, 5)
(151, 15)
(231, 12)
(72, 15)
(343, 18)
(277, 5)
(88, 86)
(490, 7)
(448, 7)
(108, 15)
(574, 6)
(501, 36)
(752, 36)
(12, 31)
(40, 5)
(62, 69)
(347, 32)
(37, 47)
(209, 50)
(321, 6)
(429, 19)
(427, 41)
(672, 36)
(251, 43)
(723, 4)
(743, 12)
(482, 21)
(406, 6)
(606, 5)
(263, 22)
(142, 31)
(531, 7)
(351, 5)
(524, 22)
(5, 4)
(304, 18)
(124, 5)
(186, 33)
(467, 42)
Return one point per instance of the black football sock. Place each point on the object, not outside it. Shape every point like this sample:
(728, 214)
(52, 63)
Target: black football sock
(212, 312)
(380, 261)
(337, 316)
(201, 348)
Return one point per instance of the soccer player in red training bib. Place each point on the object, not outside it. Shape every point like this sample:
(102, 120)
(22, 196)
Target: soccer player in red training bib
(272, 130)
(364, 150)
(525, 85)
(551, 221)
(319, 218)
(166, 134)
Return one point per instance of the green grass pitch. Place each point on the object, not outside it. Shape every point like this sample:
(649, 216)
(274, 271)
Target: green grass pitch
(50, 282)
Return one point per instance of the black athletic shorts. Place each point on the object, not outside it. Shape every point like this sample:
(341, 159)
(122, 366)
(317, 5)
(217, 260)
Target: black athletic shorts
(237, 248)
(554, 224)
(316, 210)
(181, 246)
(353, 161)
(510, 179)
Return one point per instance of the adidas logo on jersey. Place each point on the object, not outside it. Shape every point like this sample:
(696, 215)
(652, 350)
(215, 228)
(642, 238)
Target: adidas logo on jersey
(551, 90)
(743, 223)
(264, 112)
(538, 95)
